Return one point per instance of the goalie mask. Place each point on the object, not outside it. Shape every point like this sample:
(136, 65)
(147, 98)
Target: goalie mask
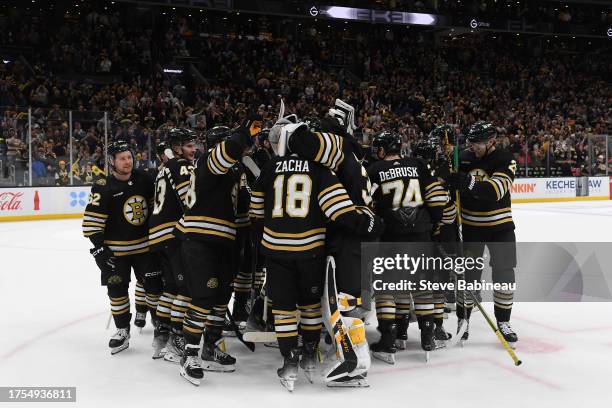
(277, 137)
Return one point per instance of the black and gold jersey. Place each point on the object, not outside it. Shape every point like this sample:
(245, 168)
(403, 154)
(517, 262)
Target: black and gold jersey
(447, 223)
(212, 198)
(407, 182)
(117, 214)
(296, 198)
(488, 203)
(243, 199)
(338, 154)
(171, 186)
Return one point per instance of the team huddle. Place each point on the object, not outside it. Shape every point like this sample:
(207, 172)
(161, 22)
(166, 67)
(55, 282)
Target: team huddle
(275, 218)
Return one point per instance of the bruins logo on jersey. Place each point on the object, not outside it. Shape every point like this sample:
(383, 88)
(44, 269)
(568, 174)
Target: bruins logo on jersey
(135, 210)
(480, 174)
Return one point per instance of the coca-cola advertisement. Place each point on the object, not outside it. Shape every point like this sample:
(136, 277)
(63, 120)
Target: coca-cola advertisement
(11, 201)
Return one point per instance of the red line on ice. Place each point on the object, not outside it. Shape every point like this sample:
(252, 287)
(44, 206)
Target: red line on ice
(49, 332)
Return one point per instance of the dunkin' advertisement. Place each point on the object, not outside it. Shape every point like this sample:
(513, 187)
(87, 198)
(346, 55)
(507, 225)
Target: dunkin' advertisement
(18, 204)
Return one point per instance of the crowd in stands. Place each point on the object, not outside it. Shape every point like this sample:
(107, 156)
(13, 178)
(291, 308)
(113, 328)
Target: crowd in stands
(544, 99)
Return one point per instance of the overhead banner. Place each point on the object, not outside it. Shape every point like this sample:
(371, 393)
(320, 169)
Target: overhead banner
(376, 16)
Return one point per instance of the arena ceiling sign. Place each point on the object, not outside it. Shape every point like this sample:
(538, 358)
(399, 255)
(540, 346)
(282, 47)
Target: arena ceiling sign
(376, 16)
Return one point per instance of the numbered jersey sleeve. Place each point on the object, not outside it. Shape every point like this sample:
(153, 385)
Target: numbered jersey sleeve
(337, 206)
(96, 213)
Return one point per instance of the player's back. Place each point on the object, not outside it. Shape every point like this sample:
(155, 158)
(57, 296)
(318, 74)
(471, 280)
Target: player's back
(296, 197)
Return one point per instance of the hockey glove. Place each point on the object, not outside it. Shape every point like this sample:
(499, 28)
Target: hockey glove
(461, 182)
(106, 262)
(372, 226)
(252, 125)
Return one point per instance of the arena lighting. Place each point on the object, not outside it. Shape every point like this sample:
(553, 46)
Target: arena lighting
(375, 16)
(172, 71)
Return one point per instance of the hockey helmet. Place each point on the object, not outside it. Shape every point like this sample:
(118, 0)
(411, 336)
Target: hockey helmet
(441, 134)
(390, 141)
(181, 136)
(314, 123)
(217, 135)
(161, 147)
(117, 146)
(480, 132)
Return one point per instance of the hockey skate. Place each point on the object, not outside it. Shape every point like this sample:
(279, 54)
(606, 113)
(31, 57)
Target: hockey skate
(308, 363)
(441, 336)
(466, 334)
(401, 341)
(160, 339)
(191, 370)
(358, 381)
(120, 340)
(382, 353)
(384, 350)
(174, 348)
(509, 335)
(140, 320)
(428, 342)
(288, 372)
(215, 358)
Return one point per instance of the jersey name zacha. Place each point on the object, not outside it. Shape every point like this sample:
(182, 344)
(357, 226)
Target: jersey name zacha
(397, 172)
(292, 165)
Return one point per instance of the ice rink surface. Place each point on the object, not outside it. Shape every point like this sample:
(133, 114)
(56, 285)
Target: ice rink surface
(54, 313)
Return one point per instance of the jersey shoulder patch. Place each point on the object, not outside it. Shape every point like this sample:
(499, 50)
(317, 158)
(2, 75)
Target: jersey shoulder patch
(101, 182)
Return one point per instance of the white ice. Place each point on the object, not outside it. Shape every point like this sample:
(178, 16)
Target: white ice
(53, 333)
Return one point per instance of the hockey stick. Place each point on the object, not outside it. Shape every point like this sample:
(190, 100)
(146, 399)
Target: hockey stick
(239, 335)
(500, 337)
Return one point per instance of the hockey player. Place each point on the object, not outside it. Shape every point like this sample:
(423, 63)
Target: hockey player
(410, 200)
(241, 268)
(437, 150)
(115, 220)
(208, 231)
(484, 179)
(171, 187)
(330, 141)
(296, 198)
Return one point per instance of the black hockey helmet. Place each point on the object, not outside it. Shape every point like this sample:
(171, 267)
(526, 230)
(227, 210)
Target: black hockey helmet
(480, 132)
(216, 135)
(390, 141)
(425, 149)
(181, 136)
(117, 146)
(441, 134)
(313, 122)
(263, 135)
(161, 147)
